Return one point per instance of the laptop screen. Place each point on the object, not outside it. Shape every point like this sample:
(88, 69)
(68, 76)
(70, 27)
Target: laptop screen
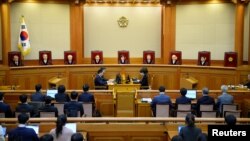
(191, 94)
(71, 126)
(3, 131)
(51, 93)
(179, 128)
(34, 127)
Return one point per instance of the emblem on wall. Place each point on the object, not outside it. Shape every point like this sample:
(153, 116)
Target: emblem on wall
(122, 22)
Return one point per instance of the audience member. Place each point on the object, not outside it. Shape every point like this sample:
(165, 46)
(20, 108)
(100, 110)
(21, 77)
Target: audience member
(205, 99)
(230, 120)
(22, 133)
(160, 99)
(5, 108)
(73, 107)
(144, 79)
(202, 137)
(225, 98)
(77, 137)
(48, 107)
(37, 96)
(46, 137)
(177, 138)
(61, 96)
(61, 133)
(99, 79)
(87, 97)
(183, 99)
(24, 107)
(190, 132)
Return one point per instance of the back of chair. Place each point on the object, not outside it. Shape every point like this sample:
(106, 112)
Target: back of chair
(209, 114)
(36, 105)
(2, 115)
(47, 114)
(87, 107)
(162, 110)
(59, 107)
(182, 113)
(229, 107)
(206, 107)
(184, 107)
(237, 113)
(18, 113)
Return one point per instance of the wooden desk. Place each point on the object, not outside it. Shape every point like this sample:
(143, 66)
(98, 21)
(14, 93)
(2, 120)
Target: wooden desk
(124, 87)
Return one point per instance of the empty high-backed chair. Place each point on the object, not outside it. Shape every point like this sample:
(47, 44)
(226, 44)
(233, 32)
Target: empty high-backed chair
(230, 59)
(162, 110)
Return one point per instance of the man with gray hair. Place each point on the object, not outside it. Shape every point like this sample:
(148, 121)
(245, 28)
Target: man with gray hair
(205, 99)
(225, 98)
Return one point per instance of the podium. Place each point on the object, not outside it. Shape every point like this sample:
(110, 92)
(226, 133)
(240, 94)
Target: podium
(54, 82)
(188, 82)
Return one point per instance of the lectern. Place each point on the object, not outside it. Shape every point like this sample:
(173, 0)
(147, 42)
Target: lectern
(54, 82)
(188, 82)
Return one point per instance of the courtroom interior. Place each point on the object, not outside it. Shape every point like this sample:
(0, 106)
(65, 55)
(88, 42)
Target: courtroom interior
(123, 70)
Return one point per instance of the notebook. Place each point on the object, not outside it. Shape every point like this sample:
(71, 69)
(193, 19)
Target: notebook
(51, 93)
(191, 94)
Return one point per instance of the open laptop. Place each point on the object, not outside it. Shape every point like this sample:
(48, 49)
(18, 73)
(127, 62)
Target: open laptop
(34, 127)
(3, 132)
(191, 94)
(51, 93)
(71, 126)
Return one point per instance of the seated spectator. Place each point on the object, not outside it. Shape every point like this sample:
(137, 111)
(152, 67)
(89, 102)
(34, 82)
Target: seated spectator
(202, 137)
(87, 97)
(48, 107)
(230, 120)
(5, 108)
(61, 96)
(24, 107)
(22, 133)
(177, 138)
(37, 96)
(77, 137)
(46, 137)
(160, 99)
(61, 133)
(183, 99)
(205, 99)
(190, 132)
(225, 98)
(72, 108)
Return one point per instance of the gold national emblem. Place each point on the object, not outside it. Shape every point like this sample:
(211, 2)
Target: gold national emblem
(123, 22)
(230, 59)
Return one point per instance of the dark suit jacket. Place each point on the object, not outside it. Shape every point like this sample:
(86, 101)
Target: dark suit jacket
(204, 64)
(204, 100)
(71, 108)
(37, 97)
(183, 100)
(86, 97)
(25, 108)
(61, 97)
(23, 134)
(160, 99)
(49, 108)
(144, 82)
(5, 108)
(100, 81)
(190, 133)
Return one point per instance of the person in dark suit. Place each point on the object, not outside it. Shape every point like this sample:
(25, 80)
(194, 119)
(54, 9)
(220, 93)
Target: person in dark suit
(5, 108)
(123, 60)
(16, 61)
(70, 60)
(71, 108)
(38, 96)
(203, 61)
(144, 79)
(24, 107)
(225, 98)
(148, 59)
(97, 60)
(45, 60)
(86, 96)
(183, 99)
(61, 96)
(174, 60)
(247, 83)
(230, 120)
(22, 133)
(99, 79)
(205, 99)
(190, 132)
(48, 107)
(160, 99)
